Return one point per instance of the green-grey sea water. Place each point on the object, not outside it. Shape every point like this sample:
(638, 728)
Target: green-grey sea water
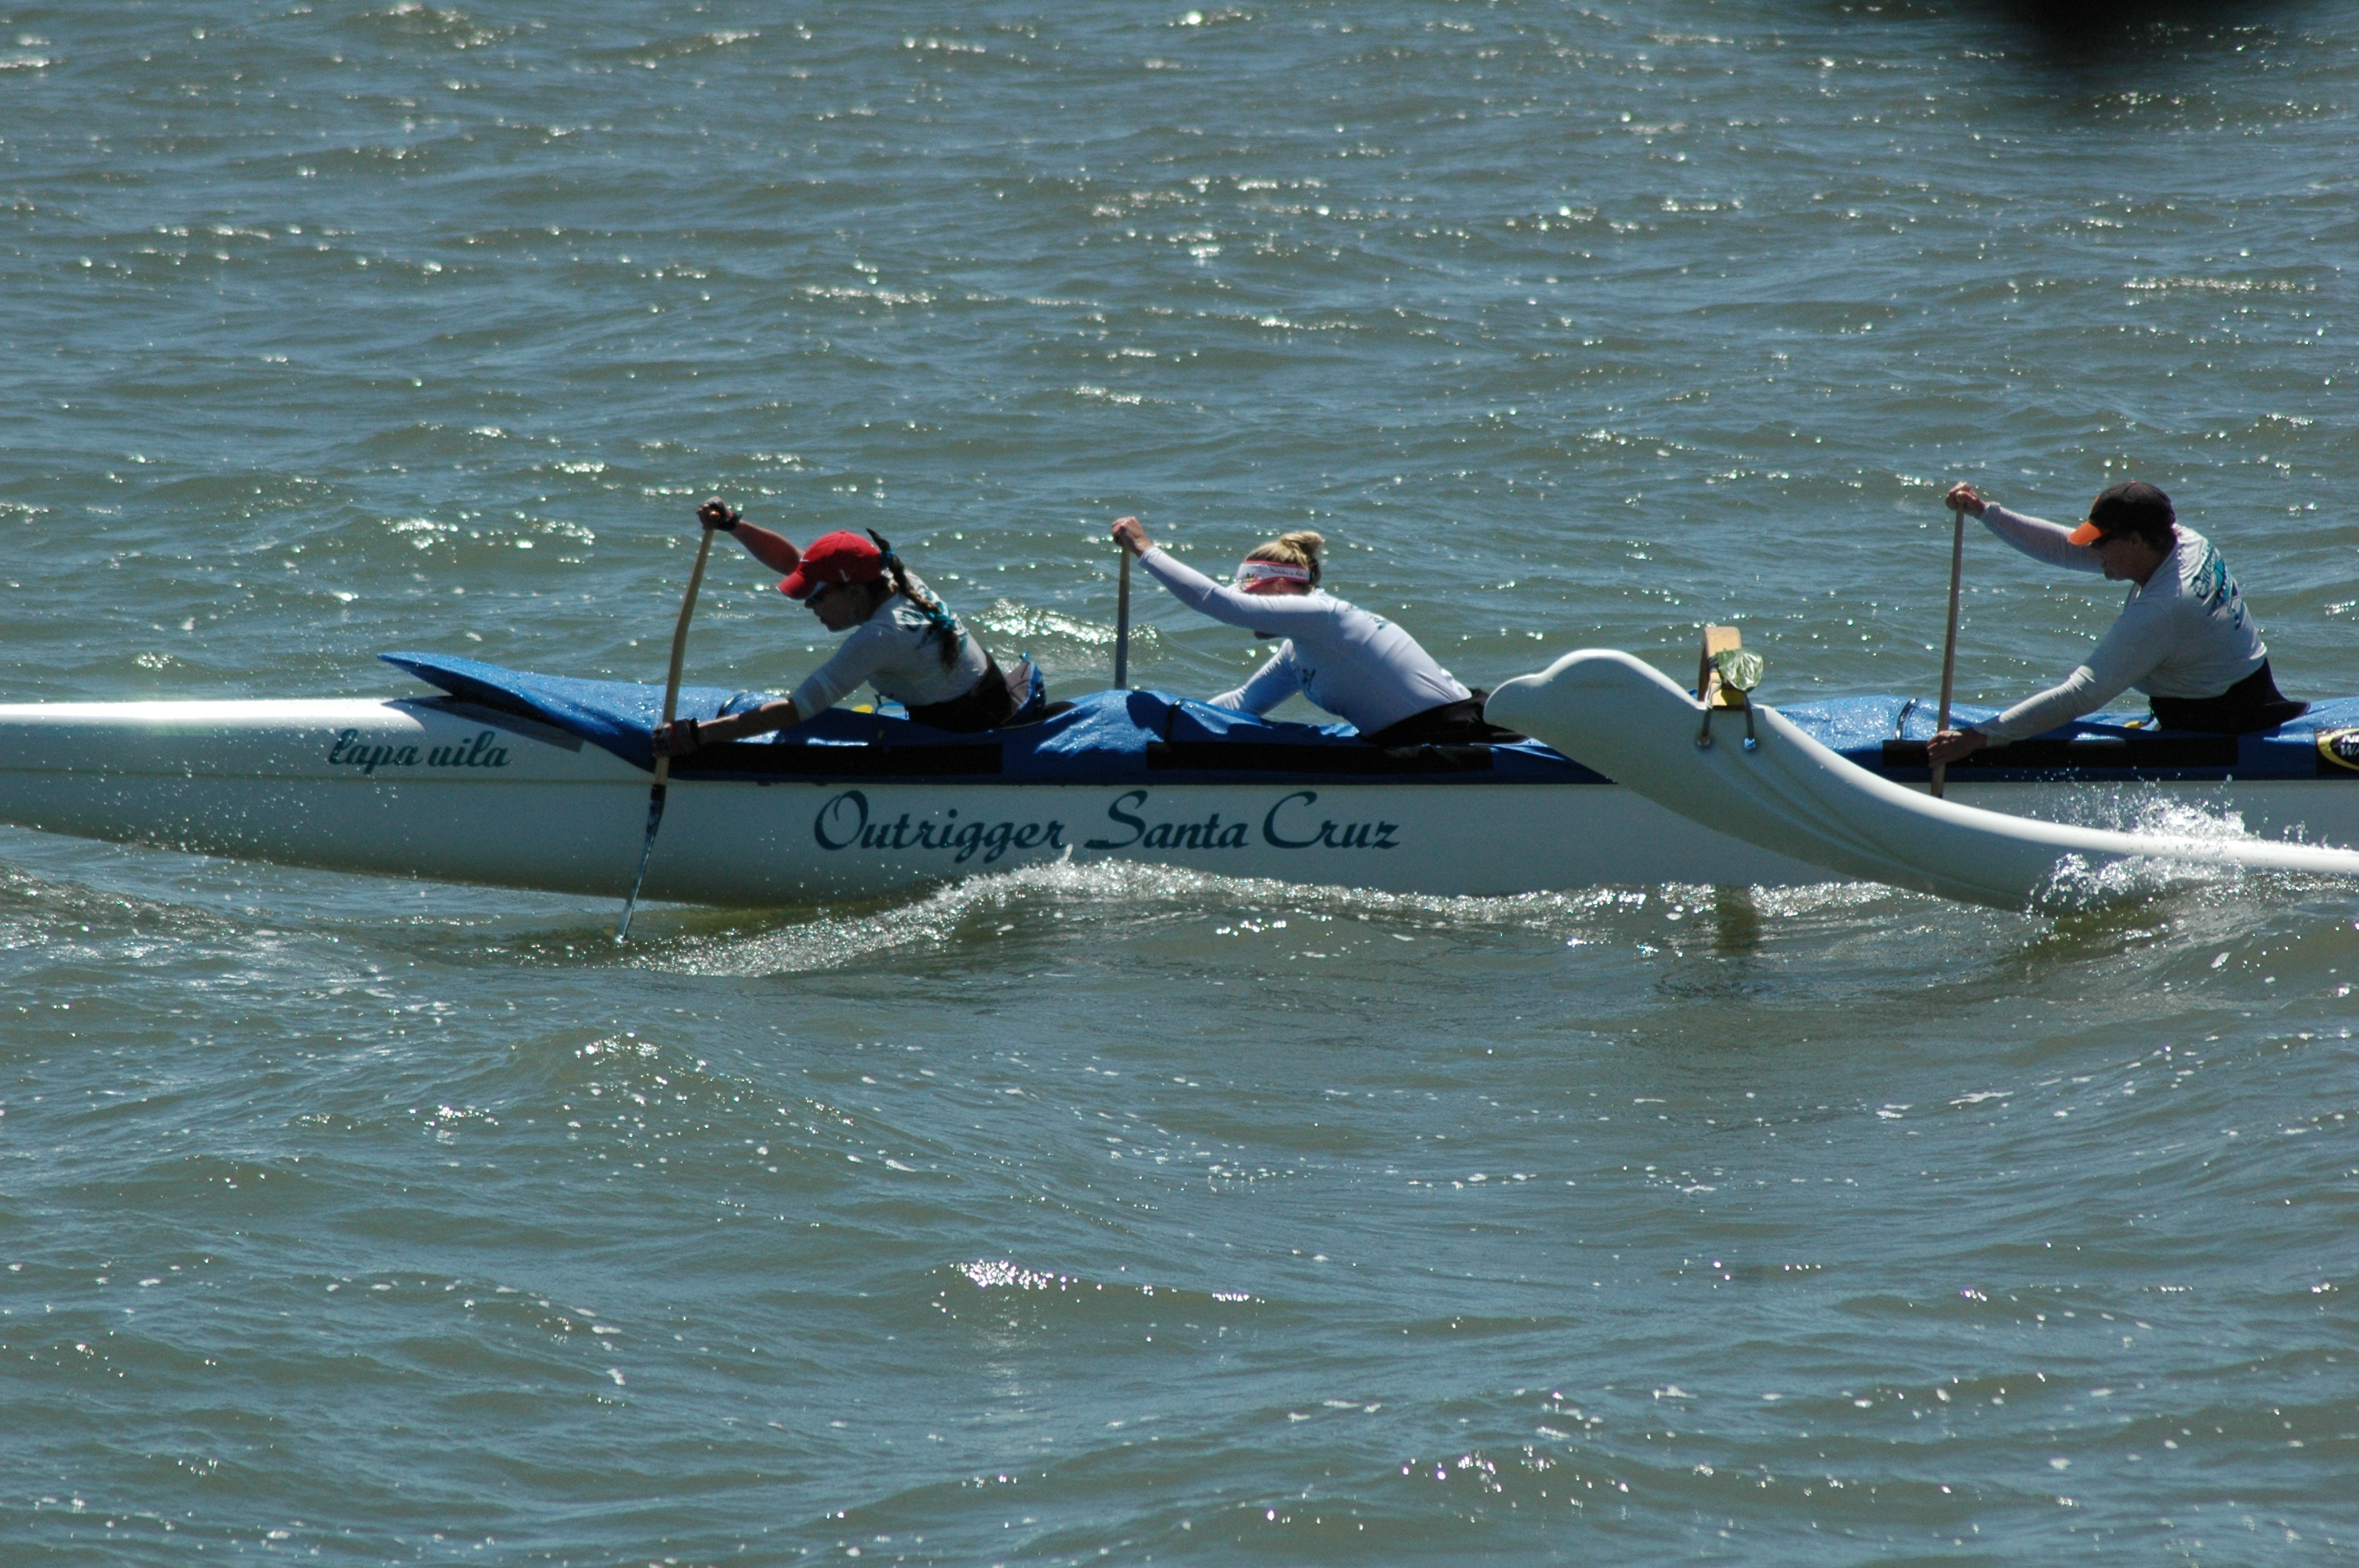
(1111, 1215)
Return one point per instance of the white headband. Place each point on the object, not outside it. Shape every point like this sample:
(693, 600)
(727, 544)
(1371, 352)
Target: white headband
(1257, 571)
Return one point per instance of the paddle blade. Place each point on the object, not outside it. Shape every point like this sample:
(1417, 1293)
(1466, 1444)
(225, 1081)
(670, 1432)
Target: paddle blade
(646, 849)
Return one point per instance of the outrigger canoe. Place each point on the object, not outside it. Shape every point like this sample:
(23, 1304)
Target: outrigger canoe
(507, 778)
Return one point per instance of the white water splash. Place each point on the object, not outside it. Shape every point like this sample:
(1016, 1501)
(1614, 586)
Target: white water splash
(2076, 885)
(1136, 895)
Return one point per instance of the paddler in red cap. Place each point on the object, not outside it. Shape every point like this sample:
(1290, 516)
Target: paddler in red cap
(903, 642)
(1351, 663)
(2184, 637)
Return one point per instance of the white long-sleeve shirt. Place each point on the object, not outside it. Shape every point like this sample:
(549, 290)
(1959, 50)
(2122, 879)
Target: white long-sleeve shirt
(2184, 634)
(1352, 663)
(895, 651)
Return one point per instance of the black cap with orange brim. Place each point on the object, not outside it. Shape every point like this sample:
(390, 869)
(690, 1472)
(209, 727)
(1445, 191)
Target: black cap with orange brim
(2133, 506)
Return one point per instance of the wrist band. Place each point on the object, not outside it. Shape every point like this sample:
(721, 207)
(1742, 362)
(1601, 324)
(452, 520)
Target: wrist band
(728, 524)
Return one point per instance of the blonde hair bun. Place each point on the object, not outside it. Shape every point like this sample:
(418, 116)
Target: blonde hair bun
(1300, 548)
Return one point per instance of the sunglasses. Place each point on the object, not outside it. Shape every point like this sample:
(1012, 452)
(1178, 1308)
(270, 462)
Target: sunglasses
(815, 595)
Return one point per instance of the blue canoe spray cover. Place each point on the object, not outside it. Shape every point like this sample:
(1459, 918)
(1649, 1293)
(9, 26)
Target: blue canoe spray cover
(1104, 735)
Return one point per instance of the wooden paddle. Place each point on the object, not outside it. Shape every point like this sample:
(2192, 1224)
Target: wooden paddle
(670, 707)
(1950, 642)
(1122, 628)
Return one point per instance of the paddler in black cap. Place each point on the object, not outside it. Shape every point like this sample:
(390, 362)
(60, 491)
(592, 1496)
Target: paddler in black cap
(2184, 637)
(903, 642)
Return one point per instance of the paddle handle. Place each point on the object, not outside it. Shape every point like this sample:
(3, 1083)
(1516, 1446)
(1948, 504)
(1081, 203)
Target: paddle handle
(670, 711)
(679, 645)
(1122, 628)
(679, 628)
(1950, 639)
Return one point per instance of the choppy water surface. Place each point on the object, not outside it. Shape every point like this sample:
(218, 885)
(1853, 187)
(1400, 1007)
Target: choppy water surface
(1115, 1214)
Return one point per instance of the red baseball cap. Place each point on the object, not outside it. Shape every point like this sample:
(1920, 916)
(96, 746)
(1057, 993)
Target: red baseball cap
(834, 558)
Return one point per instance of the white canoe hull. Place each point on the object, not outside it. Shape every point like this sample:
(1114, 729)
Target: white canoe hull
(446, 791)
(449, 792)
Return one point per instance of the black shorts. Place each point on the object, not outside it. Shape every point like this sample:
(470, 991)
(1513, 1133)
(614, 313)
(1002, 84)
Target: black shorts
(1459, 723)
(2252, 704)
(996, 698)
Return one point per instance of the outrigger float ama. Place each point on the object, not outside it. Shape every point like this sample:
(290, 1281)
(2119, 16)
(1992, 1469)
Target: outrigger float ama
(506, 778)
(1788, 792)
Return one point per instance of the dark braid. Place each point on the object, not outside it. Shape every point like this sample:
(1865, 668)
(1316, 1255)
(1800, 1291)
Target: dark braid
(945, 629)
